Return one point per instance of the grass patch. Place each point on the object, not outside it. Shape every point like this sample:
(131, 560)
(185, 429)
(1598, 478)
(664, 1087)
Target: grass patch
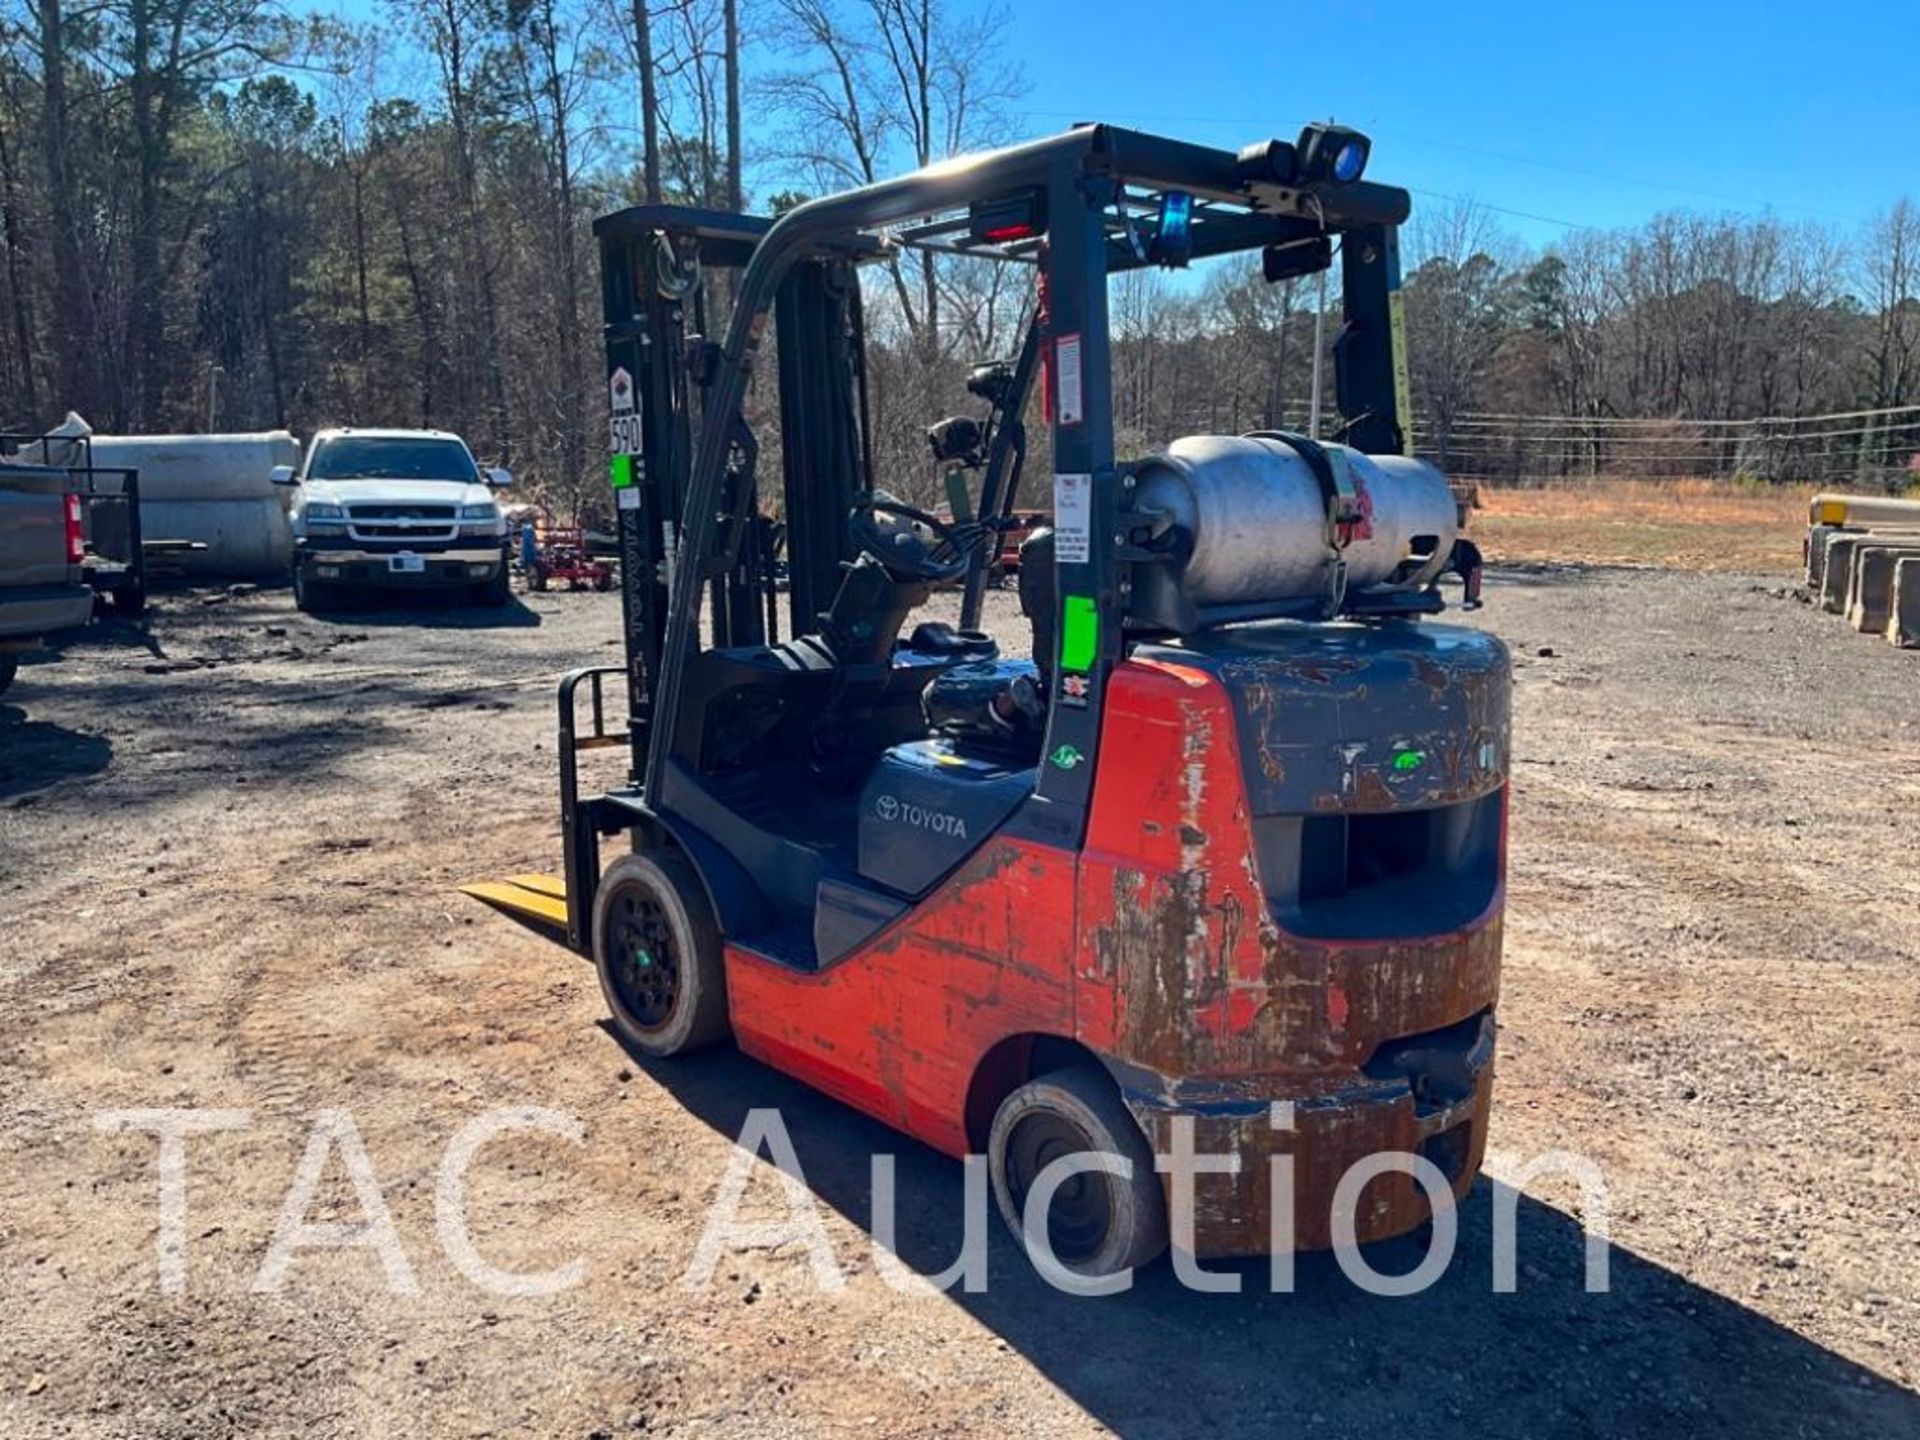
(1671, 524)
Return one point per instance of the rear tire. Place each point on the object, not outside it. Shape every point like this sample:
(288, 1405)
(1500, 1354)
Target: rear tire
(657, 950)
(1099, 1224)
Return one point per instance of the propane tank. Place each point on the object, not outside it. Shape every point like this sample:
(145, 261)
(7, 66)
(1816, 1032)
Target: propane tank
(1258, 518)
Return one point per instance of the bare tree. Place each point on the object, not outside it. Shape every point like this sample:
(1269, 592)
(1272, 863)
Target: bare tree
(892, 84)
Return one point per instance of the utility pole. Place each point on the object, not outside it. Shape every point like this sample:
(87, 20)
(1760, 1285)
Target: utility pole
(649, 102)
(736, 197)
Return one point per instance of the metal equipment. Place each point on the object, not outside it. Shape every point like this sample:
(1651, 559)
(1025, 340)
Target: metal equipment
(1234, 840)
(560, 556)
(115, 562)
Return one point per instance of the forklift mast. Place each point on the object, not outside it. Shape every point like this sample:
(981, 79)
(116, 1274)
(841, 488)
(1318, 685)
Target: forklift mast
(655, 264)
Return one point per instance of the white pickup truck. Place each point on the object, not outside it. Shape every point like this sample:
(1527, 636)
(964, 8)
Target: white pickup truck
(395, 509)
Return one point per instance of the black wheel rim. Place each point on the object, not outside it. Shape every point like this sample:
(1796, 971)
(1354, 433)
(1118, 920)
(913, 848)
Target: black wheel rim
(643, 959)
(1082, 1209)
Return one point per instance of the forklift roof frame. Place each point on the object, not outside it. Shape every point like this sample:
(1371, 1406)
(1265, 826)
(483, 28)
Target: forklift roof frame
(1097, 182)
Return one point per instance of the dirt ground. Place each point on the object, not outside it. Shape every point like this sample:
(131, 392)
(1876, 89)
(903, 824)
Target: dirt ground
(229, 842)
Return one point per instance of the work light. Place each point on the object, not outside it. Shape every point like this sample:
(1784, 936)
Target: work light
(1333, 152)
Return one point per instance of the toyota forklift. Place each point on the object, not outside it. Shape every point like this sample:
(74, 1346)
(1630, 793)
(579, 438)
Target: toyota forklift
(1227, 852)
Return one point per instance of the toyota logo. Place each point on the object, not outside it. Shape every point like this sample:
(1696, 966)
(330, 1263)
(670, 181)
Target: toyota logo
(886, 807)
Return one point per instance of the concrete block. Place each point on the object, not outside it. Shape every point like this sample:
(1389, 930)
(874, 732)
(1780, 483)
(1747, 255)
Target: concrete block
(1839, 571)
(1870, 587)
(1903, 622)
(1814, 552)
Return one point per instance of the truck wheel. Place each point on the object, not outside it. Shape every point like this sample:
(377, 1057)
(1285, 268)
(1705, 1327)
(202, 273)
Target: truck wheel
(657, 949)
(1099, 1223)
(130, 601)
(497, 591)
(537, 578)
(9, 667)
(310, 595)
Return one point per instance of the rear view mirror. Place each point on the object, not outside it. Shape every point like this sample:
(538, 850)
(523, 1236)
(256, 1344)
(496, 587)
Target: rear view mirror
(281, 475)
(499, 477)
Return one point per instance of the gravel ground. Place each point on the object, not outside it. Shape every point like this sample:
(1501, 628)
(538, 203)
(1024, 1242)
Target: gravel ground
(228, 850)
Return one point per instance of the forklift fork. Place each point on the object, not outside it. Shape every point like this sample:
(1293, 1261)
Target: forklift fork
(563, 905)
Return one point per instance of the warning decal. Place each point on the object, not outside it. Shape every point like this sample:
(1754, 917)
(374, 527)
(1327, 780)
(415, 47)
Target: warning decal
(1072, 519)
(1066, 371)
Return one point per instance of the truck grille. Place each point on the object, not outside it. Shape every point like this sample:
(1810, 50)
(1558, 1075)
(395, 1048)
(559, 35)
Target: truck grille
(438, 531)
(399, 527)
(441, 513)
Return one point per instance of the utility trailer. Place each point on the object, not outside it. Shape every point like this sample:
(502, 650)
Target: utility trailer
(1226, 858)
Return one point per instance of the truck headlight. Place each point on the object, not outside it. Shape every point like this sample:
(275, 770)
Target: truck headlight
(480, 519)
(320, 519)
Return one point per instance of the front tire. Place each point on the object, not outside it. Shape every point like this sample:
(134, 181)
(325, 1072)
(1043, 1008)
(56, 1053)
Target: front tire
(657, 950)
(309, 595)
(1099, 1224)
(496, 591)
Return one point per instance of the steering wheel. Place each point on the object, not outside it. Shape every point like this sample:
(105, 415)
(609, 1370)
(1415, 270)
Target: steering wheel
(904, 552)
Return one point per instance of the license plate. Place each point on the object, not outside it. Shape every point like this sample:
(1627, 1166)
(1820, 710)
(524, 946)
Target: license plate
(406, 564)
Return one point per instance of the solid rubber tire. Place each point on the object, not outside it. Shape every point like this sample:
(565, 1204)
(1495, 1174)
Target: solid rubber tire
(699, 1016)
(1086, 1097)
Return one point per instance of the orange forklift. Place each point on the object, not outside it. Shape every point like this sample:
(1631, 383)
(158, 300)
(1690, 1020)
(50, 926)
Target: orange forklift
(1229, 848)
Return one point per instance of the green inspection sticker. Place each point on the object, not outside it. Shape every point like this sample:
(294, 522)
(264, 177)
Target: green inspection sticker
(1066, 757)
(620, 471)
(1407, 761)
(1079, 634)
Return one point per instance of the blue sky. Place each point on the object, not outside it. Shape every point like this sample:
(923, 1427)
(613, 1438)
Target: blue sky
(1557, 114)
(1580, 113)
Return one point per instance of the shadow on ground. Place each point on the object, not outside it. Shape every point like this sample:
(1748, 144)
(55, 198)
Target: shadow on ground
(1536, 575)
(430, 611)
(37, 753)
(1656, 1355)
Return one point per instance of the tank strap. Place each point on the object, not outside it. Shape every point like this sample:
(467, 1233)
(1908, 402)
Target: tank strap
(1345, 514)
